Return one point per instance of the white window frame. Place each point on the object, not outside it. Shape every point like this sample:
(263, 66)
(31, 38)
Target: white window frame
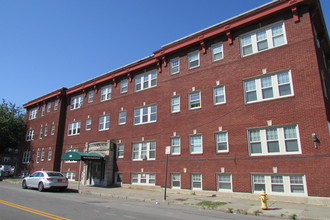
(43, 109)
(49, 106)
(192, 144)
(222, 142)
(104, 122)
(286, 181)
(42, 157)
(261, 139)
(226, 182)
(52, 130)
(46, 130)
(144, 150)
(175, 104)
(76, 102)
(145, 114)
(41, 132)
(253, 39)
(193, 102)
(175, 65)
(122, 118)
(50, 154)
(29, 135)
(124, 86)
(90, 96)
(214, 48)
(175, 178)
(38, 156)
(56, 105)
(196, 178)
(26, 157)
(106, 93)
(146, 80)
(88, 124)
(222, 93)
(74, 128)
(137, 179)
(70, 175)
(275, 86)
(33, 113)
(175, 144)
(191, 59)
(120, 150)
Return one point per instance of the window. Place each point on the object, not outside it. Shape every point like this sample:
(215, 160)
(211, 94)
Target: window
(175, 104)
(46, 130)
(122, 117)
(38, 156)
(26, 157)
(30, 135)
(41, 132)
(144, 150)
(145, 114)
(224, 182)
(43, 109)
(263, 39)
(196, 181)
(88, 124)
(175, 65)
(33, 113)
(106, 93)
(219, 96)
(221, 140)
(90, 96)
(120, 150)
(50, 154)
(146, 80)
(292, 184)
(55, 105)
(124, 86)
(76, 102)
(193, 59)
(70, 175)
(74, 128)
(104, 122)
(274, 141)
(52, 130)
(175, 145)
(42, 158)
(143, 178)
(195, 100)
(271, 86)
(196, 145)
(176, 180)
(217, 52)
(49, 106)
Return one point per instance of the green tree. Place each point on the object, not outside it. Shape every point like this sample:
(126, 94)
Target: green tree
(11, 127)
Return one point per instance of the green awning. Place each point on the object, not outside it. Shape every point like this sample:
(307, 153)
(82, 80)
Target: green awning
(81, 156)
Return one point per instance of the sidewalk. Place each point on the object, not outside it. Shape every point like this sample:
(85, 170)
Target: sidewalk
(236, 203)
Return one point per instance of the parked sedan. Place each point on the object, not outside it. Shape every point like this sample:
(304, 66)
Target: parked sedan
(42, 180)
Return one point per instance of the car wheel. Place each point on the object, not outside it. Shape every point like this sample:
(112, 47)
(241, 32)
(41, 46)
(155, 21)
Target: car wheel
(24, 186)
(41, 187)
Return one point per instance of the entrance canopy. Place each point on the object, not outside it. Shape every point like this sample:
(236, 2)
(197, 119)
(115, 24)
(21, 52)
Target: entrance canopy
(81, 156)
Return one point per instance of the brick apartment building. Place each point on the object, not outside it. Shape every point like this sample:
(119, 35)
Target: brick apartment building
(243, 104)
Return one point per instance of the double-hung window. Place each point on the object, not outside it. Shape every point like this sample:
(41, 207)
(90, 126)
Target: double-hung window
(42, 158)
(175, 104)
(122, 117)
(195, 100)
(38, 156)
(124, 86)
(90, 96)
(196, 181)
(274, 141)
(106, 93)
(49, 106)
(76, 102)
(193, 59)
(219, 96)
(46, 130)
(120, 150)
(263, 39)
(52, 129)
(196, 144)
(43, 109)
(175, 65)
(33, 113)
(143, 178)
(144, 150)
(30, 135)
(88, 124)
(217, 52)
(146, 80)
(221, 139)
(104, 122)
(50, 154)
(26, 157)
(270, 86)
(176, 180)
(41, 132)
(224, 182)
(74, 128)
(56, 105)
(175, 145)
(145, 114)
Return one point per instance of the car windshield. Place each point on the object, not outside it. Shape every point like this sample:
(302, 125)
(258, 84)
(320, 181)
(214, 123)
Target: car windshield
(55, 174)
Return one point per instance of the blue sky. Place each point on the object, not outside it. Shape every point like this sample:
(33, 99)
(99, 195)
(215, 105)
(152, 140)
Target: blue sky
(49, 44)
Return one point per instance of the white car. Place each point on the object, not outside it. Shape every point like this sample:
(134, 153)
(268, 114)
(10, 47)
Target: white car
(42, 180)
